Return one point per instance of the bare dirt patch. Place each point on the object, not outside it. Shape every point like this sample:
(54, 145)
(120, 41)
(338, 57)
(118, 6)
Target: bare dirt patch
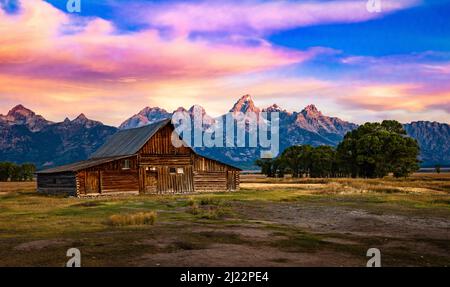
(220, 255)
(341, 219)
(41, 244)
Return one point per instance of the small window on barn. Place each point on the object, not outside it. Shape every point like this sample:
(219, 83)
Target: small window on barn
(126, 164)
(180, 170)
(172, 170)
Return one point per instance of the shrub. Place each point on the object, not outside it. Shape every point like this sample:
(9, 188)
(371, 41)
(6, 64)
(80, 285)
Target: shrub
(191, 201)
(194, 209)
(141, 218)
(207, 208)
(13, 172)
(212, 213)
(210, 201)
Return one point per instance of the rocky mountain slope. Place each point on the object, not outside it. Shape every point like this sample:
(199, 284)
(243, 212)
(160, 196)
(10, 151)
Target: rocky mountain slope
(19, 115)
(310, 126)
(434, 141)
(33, 139)
(145, 117)
(27, 137)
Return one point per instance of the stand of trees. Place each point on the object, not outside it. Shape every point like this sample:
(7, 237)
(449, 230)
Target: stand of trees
(370, 151)
(14, 172)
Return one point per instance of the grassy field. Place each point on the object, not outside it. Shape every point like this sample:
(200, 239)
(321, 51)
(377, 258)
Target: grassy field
(269, 222)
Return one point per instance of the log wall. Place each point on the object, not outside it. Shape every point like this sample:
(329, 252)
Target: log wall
(109, 178)
(210, 181)
(211, 175)
(57, 183)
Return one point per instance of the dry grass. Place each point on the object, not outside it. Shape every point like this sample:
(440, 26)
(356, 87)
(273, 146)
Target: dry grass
(140, 218)
(206, 208)
(194, 208)
(266, 221)
(417, 183)
(17, 186)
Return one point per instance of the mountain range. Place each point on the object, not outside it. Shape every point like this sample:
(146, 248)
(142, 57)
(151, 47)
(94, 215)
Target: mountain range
(28, 137)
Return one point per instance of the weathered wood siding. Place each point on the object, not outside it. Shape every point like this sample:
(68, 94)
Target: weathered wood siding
(174, 182)
(233, 180)
(165, 160)
(57, 183)
(200, 174)
(161, 144)
(211, 175)
(161, 180)
(109, 178)
(161, 155)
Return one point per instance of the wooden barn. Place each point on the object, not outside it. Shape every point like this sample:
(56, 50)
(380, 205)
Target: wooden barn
(140, 161)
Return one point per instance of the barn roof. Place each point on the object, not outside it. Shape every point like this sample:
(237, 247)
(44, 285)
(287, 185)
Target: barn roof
(123, 144)
(128, 142)
(73, 167)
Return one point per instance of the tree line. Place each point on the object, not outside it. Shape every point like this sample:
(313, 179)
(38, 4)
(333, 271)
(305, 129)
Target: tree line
(16, 172)
(370, 151)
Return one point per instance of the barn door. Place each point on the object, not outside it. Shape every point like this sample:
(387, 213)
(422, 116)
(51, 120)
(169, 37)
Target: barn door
(176, 179)
(151, 181)
(92, 182)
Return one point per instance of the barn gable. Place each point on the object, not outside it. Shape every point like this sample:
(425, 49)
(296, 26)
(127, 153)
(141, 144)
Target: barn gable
(128, 142)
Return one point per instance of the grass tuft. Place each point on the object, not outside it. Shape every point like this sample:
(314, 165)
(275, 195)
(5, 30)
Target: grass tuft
(140, 218)
(210, 201)
(205, 210)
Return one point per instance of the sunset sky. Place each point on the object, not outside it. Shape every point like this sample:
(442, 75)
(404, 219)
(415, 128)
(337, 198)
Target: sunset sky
(116, 57)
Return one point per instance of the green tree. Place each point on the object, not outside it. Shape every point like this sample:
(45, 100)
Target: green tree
(272, 167)
(297, 159)
(266, 165)
(15, 172)
(27, 171)
(393, 126)
(374, 150)
(437, 168)
(279, 167)
(291, 159)
(306, 160)
(5, 171)
(322, 160)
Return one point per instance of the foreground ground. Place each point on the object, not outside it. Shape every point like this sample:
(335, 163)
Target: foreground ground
(305, 222)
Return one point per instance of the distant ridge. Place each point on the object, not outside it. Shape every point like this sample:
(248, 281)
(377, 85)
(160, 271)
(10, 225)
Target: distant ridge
(28, 137)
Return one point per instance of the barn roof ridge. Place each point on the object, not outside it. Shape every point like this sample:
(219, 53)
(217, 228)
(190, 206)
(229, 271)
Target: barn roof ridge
(129, 141)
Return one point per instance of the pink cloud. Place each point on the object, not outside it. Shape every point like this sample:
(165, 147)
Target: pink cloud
(390, 97)
(110, 75)
(61, 73)
(428, 70)
(39, 48)
(258, 17)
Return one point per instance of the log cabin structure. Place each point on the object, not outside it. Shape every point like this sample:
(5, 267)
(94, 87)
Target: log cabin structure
(140, 161)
